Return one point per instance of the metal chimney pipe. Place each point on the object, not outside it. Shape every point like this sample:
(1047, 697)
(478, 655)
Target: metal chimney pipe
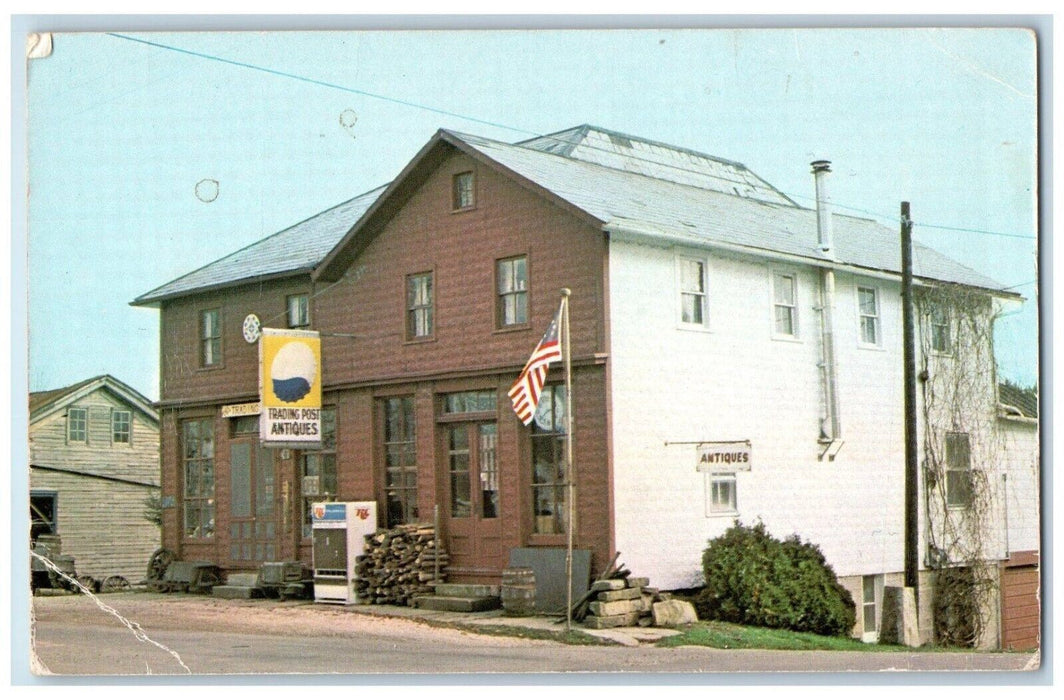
(821, 168)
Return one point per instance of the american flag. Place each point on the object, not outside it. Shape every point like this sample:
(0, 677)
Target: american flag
(526, 390)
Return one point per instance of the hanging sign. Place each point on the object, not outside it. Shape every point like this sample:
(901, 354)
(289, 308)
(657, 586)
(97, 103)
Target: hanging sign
(290, 388)
(724, 457)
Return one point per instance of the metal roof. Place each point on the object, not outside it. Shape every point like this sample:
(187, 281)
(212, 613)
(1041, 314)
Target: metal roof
(633, 154)
(296, 249)
(704, 216)
(618, 180)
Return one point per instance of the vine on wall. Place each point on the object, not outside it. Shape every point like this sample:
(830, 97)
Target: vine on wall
(961, 446)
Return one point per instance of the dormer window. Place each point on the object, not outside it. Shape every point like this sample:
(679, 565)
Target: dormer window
(462, 191)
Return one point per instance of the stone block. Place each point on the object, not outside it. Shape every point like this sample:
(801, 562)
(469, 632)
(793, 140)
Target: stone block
(638, 581)
(623, 594)
(600, 623)
(617, 607)
(673, 613)
(613, 584)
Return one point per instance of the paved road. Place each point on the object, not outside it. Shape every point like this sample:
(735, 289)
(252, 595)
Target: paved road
(211, 637)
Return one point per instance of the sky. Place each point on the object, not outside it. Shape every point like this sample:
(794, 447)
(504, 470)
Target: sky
(123, 127)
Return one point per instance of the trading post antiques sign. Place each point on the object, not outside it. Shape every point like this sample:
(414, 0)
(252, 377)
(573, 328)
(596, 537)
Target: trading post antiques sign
(290, 388)
(724, 457)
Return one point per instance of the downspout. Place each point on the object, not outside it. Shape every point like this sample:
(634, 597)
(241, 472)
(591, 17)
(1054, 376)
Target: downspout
(830, 428)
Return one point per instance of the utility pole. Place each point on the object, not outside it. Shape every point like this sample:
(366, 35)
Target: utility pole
(909, 354)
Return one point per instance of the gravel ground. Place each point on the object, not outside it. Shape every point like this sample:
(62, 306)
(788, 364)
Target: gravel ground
(289, 618)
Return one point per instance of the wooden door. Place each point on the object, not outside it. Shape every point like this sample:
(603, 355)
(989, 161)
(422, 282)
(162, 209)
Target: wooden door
(253, 531)
(473, 507)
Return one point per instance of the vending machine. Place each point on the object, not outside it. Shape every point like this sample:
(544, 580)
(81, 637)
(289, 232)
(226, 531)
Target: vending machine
(339, 533)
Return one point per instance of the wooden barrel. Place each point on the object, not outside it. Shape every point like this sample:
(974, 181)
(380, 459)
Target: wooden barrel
(518, 591)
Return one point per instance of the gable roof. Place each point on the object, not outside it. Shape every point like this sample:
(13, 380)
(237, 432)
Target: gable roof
(671, 211)
(615, 181)
(44, 403)
(295, 250)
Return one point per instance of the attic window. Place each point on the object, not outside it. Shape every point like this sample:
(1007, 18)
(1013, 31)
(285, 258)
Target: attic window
(462, 191)
(622, 141)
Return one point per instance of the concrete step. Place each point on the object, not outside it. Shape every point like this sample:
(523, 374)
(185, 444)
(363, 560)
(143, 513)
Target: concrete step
(467, 590)
(457, 603)
(243, 592)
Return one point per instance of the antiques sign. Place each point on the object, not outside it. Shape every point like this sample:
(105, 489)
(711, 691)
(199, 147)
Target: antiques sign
(724, 457)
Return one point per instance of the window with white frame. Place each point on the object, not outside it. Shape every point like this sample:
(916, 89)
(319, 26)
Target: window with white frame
(868, 315)
(692, 291)
(463, 191)
(298, 310)
(210, 338)
(121, 427)
(784, 299)
(419, 307)
(511, 301)
(721, 494)
(871, 593)
(77, 425)
(940, 330)
(958, 470)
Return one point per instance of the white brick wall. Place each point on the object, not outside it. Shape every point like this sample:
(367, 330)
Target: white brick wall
(735, 382)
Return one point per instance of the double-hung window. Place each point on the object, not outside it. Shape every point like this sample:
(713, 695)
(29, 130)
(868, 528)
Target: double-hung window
(512, 291)
(210, 338)
(784, 299)
(940, 330)
(121, 427)
(298, 310)
(463, 194)
(958, 470)
(692, 292)
(197, 439)
(419, 310)
(77, 424)
(868, 315)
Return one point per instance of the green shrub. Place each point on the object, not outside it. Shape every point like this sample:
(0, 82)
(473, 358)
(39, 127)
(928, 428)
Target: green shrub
(754, 579)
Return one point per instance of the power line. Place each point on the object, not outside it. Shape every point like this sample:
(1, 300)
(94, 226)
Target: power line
(320, 83)
(436, 110)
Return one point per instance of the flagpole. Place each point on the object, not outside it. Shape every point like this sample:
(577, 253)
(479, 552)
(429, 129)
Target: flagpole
(568, 461)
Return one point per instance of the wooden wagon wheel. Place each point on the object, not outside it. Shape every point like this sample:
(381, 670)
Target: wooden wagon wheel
(160, 561)
(113, 584)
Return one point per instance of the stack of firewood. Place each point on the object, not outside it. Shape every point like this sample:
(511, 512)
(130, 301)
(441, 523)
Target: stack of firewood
(399, 564)
(618, 599)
